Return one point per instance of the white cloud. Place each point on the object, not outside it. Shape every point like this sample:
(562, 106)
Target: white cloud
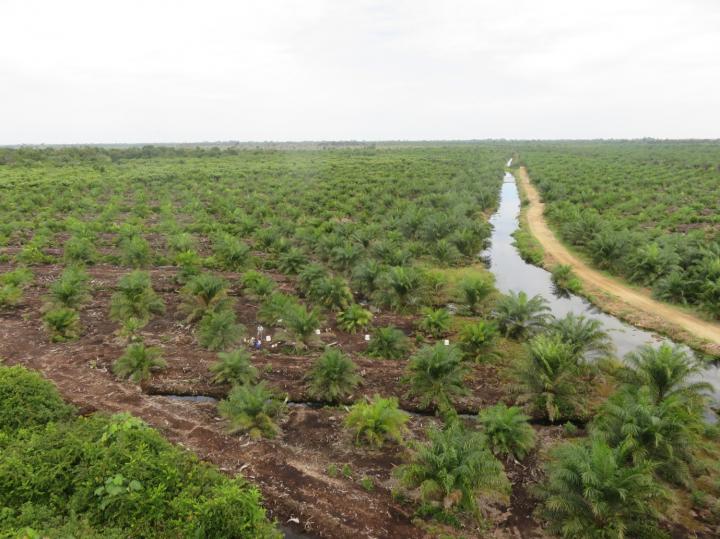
(84, 71)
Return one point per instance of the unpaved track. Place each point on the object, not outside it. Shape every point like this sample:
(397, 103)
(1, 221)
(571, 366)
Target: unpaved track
(632, 297)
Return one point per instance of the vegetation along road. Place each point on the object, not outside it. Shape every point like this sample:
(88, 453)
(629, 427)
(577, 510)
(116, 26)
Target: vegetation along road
(637, 299)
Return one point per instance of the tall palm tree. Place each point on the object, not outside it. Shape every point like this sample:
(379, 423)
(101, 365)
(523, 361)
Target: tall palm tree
(519, 315)
(584, 335)
(666, 370)
(436, 374)
(591, 493)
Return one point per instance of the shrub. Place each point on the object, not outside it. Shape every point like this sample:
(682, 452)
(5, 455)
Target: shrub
(71, 289)
(519, 316)
(436, 375)
(218, 330)
(19, 277)
(434, 322)
(474, 290)
(550, 379)
(354, 318)
(477, 339)
(388, 343)
(333, 376)
(189, 264)
(565, 279)
(28, 400)
(234, 368)
(10, 295)
(452, 469)
(507, 430)
(62, 323)
(138, 361)
(400, 288)
(377, 421)
(332, 293)
(135, 298)
(252, 409)
(203, 294)
(590, 492)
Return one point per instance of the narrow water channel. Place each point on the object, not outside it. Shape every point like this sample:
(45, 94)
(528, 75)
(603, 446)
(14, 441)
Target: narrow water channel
(513, 273)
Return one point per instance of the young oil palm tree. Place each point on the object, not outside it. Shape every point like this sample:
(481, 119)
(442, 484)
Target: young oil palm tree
(377, 421)
(138, 361)
(253, 409)
(62, 323)
(71, 289)
(666, 370)
(354, 318)
(436, 375)
(388, 343)
(519, 316)
(507, 430)
(135, 299)
(204, 294)
(400, 288)
(234, 368)
(474, 290)
(664, 433)
(452, 469)
(300, 325)
(333, 376)
(585, 336)
(550, 379)
(477, 340)
(219, 330)
(434, 322)
(591, 493)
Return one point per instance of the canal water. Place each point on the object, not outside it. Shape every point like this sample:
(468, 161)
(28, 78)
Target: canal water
(513, 273)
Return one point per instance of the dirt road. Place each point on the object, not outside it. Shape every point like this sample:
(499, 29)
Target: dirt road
(631, 297)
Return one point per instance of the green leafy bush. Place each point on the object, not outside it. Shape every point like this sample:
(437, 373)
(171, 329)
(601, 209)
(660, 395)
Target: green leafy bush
(28, 400)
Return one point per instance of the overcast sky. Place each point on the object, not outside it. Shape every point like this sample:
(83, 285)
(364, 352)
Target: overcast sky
(180, 71)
